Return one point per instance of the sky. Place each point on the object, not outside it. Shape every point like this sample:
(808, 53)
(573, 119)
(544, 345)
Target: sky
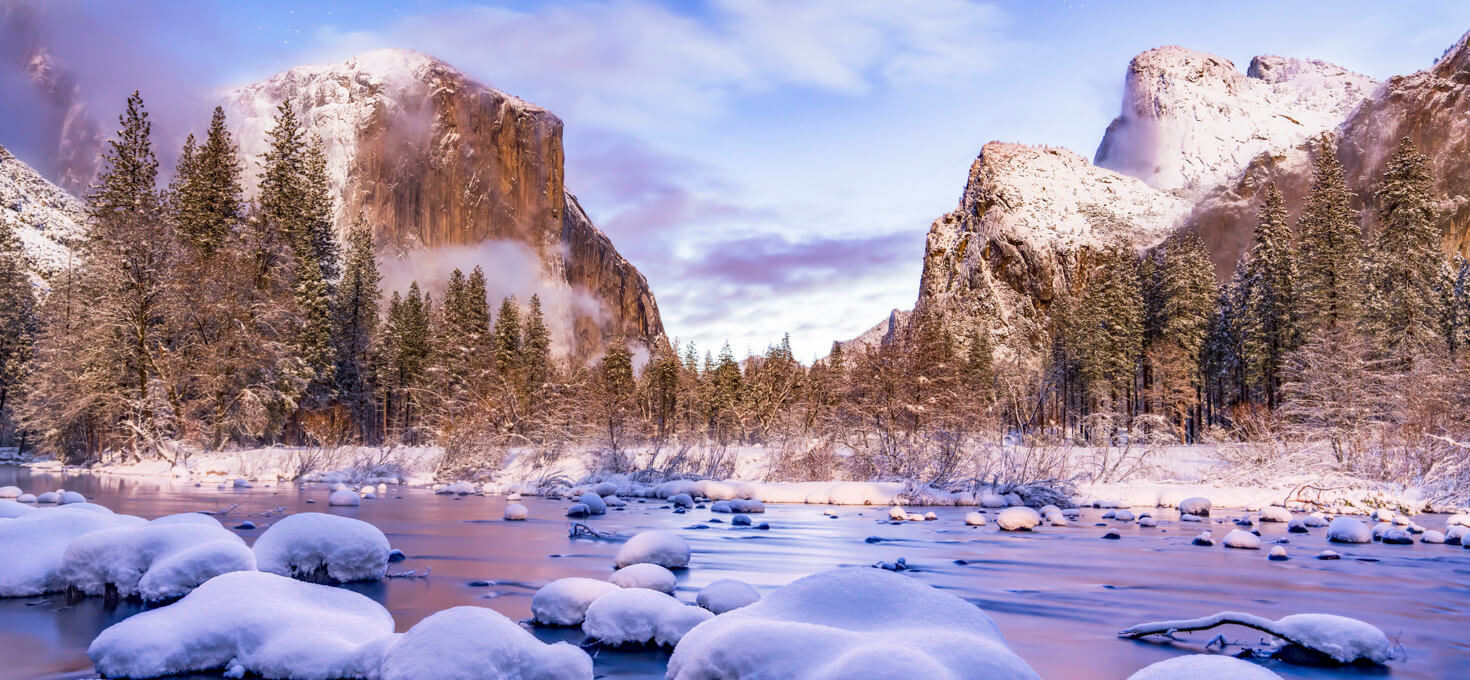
(770, 166)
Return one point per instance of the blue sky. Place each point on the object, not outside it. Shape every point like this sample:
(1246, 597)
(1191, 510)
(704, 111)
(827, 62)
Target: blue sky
(770, 166)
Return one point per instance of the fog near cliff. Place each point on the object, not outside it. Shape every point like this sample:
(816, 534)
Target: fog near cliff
(512, 269)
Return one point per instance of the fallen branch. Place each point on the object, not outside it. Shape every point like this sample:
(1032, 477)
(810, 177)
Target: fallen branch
(1339, 638)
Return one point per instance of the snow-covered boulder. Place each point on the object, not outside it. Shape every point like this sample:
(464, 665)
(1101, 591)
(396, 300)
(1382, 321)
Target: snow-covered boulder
(747, 506)
(564, 602)
(1455, 535)
(595, 504)
(157, 561)
(1018, 518)
(1275, 513)
(246, 622)
(10, 492)
(1379, 530)
(1243, 540)
(726, 594)
(1204, 539)
(644, 575)
(681, 500)
(897, 513)
(974, 519)
(69, 497)
(1124, 515)
(476, 642)
(1147, 521)
(1432, 536)
(1383, 515)
(1201, 666)
(325, 548)
(641, 616)
(993, 501)
(1349, 530)
(344, 498)
(663, 548)
(1315, 520)
(515, 512)
(241, 483)
(456, 489)
(1278, 554)
(851, 622)
(32, 545)
(614, 502)
(722, 507)
(29, 498)
(49, 498)
(1397, 536)
(604, 488)
(1195, 505)
(579, 510)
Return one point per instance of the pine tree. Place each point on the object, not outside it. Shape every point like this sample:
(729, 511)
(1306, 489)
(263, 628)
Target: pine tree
(1407, 260)
(1331, 270)
(128, 182)
(355, 326)
(1271, 305)
(536, 352)
(507, 341)
(206, 190)
(615, 385)
(1454, 304)
(408, 355)
(318, 234)
(19, 324)
(1110, 337)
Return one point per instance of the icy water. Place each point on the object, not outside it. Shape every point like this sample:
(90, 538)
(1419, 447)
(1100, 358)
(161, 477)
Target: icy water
(1059, 594)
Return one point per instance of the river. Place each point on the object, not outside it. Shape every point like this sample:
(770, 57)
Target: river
(1058, 594)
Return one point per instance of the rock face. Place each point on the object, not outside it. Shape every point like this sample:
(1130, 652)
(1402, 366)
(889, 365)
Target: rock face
(48, 221)
(431, 158)
(1191, 120)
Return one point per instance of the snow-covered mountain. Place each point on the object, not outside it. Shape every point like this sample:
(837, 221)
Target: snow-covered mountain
(438, 162)
(48, 220)
(1196, 142)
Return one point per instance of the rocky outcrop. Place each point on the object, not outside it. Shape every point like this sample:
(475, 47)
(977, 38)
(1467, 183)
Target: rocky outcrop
(430, 158)
(48, 221)
(1028, 219)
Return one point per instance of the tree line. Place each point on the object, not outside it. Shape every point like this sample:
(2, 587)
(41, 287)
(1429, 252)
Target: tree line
(195, 319)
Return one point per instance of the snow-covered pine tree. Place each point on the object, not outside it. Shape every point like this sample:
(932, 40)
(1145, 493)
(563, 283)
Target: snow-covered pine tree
(506, 341)
(408, 354)
(1407, 262)
(615, 390)
(1331, 259)
(1186, 284)
(1270, 304)
(536, 350)
(355, 326)
(206, 190)
(19, 324)
(1454, 303)
(318, 234)
(1109, 338)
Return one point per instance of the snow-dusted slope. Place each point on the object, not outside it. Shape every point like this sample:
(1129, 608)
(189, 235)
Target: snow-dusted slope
(1191, 120)
(48, 220)
(451, 173)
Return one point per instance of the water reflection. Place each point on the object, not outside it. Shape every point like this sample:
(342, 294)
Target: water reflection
(1058, 594)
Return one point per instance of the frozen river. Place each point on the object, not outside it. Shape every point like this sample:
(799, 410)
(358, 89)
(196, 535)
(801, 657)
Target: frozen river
(1059, 594)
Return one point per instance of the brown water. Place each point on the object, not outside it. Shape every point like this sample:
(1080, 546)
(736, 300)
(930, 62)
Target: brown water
(1059, 594)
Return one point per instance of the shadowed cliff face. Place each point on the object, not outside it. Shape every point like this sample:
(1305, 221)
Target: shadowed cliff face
(430, 158)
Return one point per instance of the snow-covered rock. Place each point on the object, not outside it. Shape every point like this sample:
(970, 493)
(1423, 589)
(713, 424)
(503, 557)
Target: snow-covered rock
(993, 501)
(595, 504)
(321, 547)
(1397, 536)
(640, 616)
(850, 622)
(1019, 518)
(1342, 639)
(49, 498)
(663, 548)
(456, 489)
(515, 512)
(1275, 513)
(726, 594)
(1243, 540)
(644, 575)
(476, 642)
(897, 514)
(1278, 554)
(1349, 530)
(579, 510)
(975, 519)
(1315, 520)
(1432, 536)
(243, 622)
(29, 498)
(1124, 515)
(157, 561)
(1204, 539)
(1202, 667)
(564, 602)
(11, 492)
(344, 498)
(747, 506)
(1195, 505)
(33, 545)
(681, 500)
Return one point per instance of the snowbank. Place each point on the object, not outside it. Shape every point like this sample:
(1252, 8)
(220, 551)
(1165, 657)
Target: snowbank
(1212, 666)
(12, 509)
(475, 642)
(852, 622)
(324, 548)
(564, 602)
(663, 548)
(640, 616)
(243, 622)
(32, 545)
(158, 561)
